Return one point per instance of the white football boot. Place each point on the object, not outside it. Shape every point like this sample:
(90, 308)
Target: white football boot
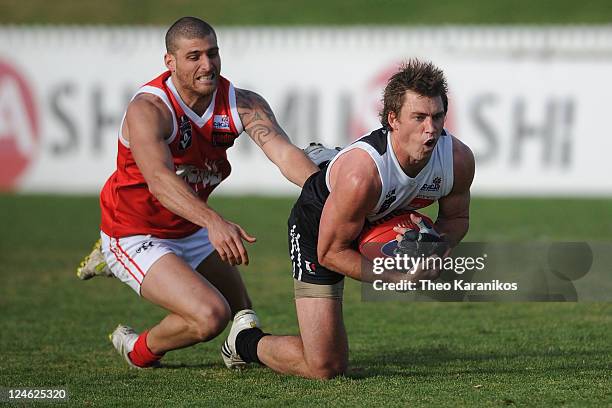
(244, 319)
(320, 154)
(93, 264)
(123, 339)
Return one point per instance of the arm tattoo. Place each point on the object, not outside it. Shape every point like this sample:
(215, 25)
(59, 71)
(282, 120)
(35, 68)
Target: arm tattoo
(249, 102)
(261, 134)
(257, 117)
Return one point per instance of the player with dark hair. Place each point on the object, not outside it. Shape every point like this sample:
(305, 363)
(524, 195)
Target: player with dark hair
(186, 27)
(158, 233)
(409, 163)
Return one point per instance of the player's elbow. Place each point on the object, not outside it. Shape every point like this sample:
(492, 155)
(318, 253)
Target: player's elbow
(324, 261)
(326, 258)
(155, 191)
(333, 256)
(294, 165)
(155, 184)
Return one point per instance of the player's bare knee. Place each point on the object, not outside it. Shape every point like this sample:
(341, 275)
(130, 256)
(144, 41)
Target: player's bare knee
(210, 320)
(327, 368)
(208, 327)
(327, 372)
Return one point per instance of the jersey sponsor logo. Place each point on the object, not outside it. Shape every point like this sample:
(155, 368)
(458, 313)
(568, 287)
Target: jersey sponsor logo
(185, 133)
(434, 186)
(221, 122)
(19, 138)
(389, 199)
(223, 139)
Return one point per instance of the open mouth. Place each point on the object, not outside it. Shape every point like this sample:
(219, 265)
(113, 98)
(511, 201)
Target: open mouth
(206, 78)
(430, 142)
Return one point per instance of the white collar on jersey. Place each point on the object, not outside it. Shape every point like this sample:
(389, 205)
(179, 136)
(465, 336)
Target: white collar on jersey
(200, 121)
(404, 178)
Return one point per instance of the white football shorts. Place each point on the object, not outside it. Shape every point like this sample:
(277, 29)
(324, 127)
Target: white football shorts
(130, 258)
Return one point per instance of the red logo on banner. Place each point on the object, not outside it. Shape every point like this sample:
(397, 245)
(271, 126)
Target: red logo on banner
(370, 105)
(19, 138)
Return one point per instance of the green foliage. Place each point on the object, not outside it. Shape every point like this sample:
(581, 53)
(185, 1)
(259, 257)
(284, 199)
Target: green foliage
(55, 327)
(308, 12)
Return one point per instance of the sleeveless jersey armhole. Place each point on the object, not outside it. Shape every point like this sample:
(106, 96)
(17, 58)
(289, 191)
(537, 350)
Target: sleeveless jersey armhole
(234, 109)
(160, 94)
(371, 151)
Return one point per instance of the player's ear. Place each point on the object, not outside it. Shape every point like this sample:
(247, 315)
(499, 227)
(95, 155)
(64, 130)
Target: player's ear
(392, 120)
(170, 62)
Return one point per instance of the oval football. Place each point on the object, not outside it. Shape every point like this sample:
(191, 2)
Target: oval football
(378, 238)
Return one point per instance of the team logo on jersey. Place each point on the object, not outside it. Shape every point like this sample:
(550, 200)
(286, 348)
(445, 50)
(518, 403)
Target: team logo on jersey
(221, 122)
(389, 199)
(434, 186)
(185, 133)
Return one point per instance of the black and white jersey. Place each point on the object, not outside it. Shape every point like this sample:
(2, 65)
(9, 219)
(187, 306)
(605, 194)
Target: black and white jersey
(399, 191)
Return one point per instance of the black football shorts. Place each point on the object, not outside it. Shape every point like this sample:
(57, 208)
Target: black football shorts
(303, 232)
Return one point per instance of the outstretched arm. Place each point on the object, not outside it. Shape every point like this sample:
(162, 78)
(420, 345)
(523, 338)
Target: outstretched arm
(148, 123)
(261, 125)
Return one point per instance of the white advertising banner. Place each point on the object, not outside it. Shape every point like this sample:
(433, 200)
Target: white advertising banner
(531, 103)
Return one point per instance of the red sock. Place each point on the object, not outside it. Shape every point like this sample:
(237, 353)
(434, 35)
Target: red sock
(141, 355)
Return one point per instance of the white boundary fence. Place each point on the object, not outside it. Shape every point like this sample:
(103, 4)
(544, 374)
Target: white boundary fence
(531, 102)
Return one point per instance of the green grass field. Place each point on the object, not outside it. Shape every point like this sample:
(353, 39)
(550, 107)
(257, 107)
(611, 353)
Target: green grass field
(307, 12)
(55, 327)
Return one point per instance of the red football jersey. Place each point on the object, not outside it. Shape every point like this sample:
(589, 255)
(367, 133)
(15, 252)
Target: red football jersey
(198, 145)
